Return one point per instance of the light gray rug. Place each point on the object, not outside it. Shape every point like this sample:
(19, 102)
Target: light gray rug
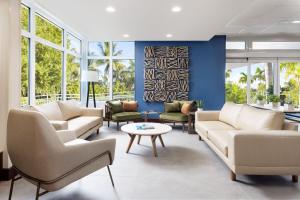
(185, 169)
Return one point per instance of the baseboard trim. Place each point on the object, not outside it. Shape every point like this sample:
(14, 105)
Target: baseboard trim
(7, 174)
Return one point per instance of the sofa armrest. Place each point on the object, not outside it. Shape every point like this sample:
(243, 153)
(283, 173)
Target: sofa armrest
(66, 135)
(97, 112)
(59, 125)
(266, 148)
(207, 116)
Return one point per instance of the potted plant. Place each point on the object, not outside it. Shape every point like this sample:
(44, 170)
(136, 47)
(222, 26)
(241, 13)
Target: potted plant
(199, 105)
(260, 100)
(274, 100)
(288, 105)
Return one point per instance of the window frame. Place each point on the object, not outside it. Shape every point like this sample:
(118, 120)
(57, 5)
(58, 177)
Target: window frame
(34, 10)
(111, 58)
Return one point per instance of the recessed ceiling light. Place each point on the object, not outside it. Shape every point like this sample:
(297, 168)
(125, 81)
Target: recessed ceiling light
(176, 9)
(296, 22)
(125, 35)
(110, 9)
(169, 35)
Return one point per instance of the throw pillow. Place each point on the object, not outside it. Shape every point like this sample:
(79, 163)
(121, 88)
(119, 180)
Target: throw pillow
(186, 107)
(69, 109)
(172, 107)
(130, 106)
(116, 106)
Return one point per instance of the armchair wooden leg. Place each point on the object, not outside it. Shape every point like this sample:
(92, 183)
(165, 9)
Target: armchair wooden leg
(232, 176)
(295, 178)
(111, 178)
(98, 131)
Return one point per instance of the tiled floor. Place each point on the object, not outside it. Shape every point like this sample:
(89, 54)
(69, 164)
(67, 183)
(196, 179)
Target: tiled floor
(185, 169)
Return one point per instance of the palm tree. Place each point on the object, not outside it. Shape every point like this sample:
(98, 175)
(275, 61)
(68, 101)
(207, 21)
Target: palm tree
(259, 75)
(227, 73)
(244, 77)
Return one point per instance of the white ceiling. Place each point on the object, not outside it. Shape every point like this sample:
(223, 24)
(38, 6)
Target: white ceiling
(153, 19)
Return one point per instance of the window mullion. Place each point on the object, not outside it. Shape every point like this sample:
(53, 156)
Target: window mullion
(110, 71)
(64, 66)
(32, 57)
(248, 82)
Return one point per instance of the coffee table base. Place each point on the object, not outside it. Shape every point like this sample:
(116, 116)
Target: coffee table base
(153, 141)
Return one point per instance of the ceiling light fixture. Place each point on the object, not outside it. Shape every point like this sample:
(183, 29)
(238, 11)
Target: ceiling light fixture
(176, 9)
(125, 35)
(110, 9)
(169, 35)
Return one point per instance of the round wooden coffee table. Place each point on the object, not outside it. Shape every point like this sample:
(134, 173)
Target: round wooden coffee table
(133, 131)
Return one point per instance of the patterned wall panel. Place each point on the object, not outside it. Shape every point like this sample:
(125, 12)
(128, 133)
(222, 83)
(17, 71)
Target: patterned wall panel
(166, 73)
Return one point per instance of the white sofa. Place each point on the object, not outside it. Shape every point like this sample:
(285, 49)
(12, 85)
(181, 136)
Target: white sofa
(251, 141)
(68, 115)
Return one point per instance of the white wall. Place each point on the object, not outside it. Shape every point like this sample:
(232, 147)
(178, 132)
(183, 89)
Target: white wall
(10, 64)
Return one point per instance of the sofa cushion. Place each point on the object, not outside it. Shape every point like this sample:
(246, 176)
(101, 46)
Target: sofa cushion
(130, 106)
(50, 110)
(59, 125)
(206, 126)
(172, 107)
(116, 106)
(80, 125)
(229, 113)
(174, 116)
(181, 103)
(69, 109)
(186, 107)
(220, 140)
(124, 116)
(251, 118)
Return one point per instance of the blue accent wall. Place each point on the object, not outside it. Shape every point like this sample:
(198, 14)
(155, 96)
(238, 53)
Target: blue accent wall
(206, 76)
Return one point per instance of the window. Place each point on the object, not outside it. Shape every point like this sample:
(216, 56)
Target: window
(48, 31)
(52, 56)
(24, 19)
(236, 82)
(290, 81)
(123, 79)
(73, 44)
(236, 45)
(48, 74)
(276, 45)
(102, 66)
(24, 71)
(99, 49)
(114, 62)
(73, 77)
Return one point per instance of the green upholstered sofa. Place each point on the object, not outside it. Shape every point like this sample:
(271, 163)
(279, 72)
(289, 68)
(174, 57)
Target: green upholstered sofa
(115, 113)
(174, 115)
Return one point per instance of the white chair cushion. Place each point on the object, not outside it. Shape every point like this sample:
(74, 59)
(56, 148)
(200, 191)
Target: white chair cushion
(82, 124)
(50, 110)
(251, 118)
(206, 126)
(230, 113)
(69, 109)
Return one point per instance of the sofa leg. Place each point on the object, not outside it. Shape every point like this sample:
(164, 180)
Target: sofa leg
(200, 138)
(183, 127)
(108, 123)
(295, 178)
(232, 176)
(118, 126)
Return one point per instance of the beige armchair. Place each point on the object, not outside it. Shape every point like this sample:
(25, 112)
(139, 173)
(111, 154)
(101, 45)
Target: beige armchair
(52, 159)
